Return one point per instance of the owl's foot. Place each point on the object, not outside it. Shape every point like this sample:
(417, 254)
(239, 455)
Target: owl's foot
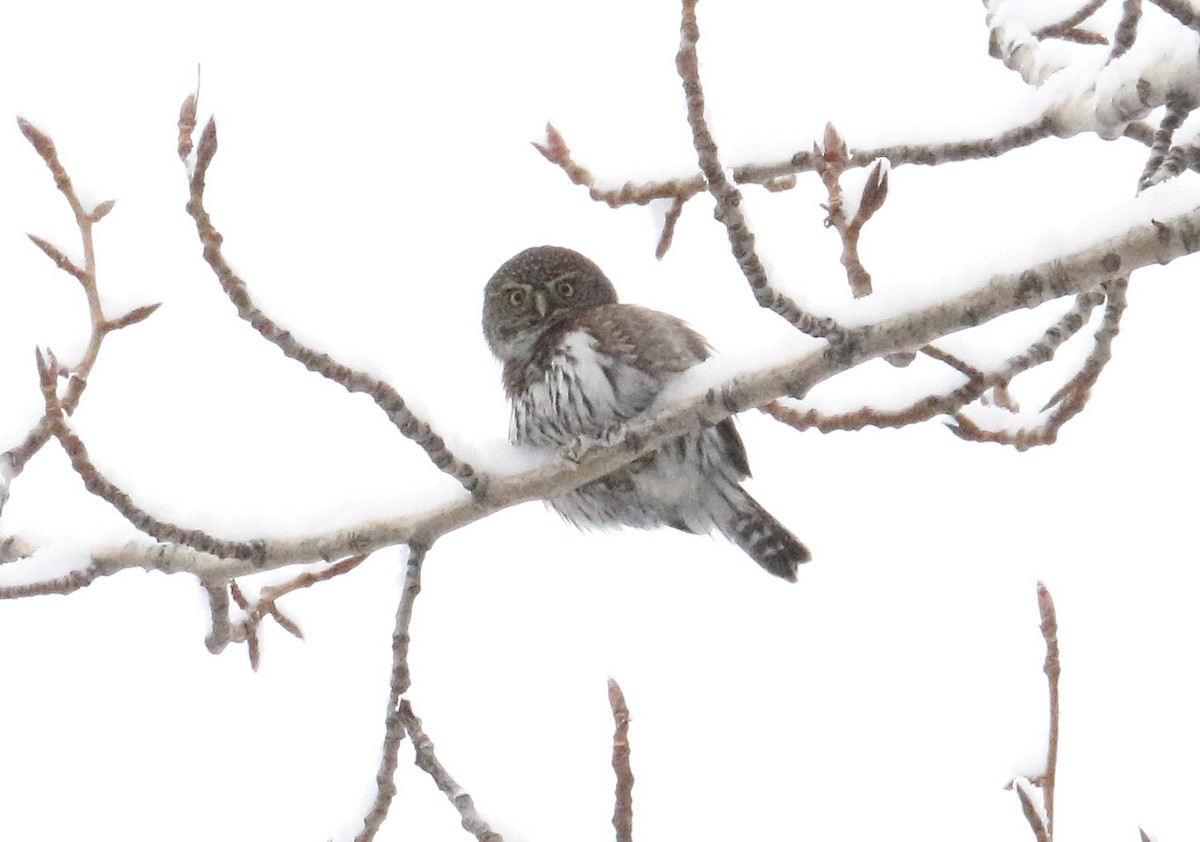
(612, 436)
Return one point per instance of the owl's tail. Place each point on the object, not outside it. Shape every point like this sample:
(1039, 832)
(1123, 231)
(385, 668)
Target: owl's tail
(761, 536)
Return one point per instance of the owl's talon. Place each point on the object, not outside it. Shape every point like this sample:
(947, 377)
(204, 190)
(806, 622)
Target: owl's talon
(577, 449)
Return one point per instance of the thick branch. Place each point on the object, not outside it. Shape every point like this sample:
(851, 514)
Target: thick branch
(1149, 243)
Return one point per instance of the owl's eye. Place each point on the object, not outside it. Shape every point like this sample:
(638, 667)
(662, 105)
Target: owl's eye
(565, 289)
(516, 297)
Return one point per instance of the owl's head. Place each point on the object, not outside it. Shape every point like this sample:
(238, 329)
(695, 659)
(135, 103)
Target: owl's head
(534, 290)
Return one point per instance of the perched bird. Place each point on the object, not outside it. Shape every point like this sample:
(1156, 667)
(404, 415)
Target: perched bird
(576, 363)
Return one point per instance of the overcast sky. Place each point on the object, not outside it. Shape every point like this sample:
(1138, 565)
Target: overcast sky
(374, 170)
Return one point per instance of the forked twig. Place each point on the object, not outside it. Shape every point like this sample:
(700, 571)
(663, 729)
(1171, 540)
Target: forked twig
(1154, 172)
(394, 726)
(1030, 809)
(949, 403)
(781, 175)
(13, 461)
(1062, 28)
(832, 159)
(1072, 396)
(256, 610)
(428, 762)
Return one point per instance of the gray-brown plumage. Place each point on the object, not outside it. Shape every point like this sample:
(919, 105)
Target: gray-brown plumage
(577, 362)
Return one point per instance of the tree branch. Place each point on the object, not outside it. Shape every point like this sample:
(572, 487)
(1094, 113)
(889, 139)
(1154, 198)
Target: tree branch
(394, 722)
(427, 761)
(728, 197)
(623, 803)
(386, 397)
(212, 558)
(12, 462)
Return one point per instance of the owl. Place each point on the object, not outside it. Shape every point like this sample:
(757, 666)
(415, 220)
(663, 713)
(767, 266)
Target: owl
(576, 362)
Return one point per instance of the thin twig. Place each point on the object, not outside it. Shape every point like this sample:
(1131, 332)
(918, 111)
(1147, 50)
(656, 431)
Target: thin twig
(729, 198)
(1181, 10)
(1052, 668)
(266, 604)
(165, 531)
(780, 175)
(832, 158)
(221, 633)
(1072, 396)
(428, 762)
(952, 402)
(77, 375)
(384, 395)
(1030, 809)
(1177, 112)
(62, 585)
(1057, 30)
(623, 802)
(394, 725)
(1131, 13)
(668, 230)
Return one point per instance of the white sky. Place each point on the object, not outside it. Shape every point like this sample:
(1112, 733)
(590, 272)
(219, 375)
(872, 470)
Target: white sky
(374, 170)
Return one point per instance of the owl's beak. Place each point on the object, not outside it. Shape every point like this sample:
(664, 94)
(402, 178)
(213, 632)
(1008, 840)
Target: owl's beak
(539, 301)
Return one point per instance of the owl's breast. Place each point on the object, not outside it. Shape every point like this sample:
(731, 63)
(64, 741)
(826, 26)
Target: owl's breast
(576, 390)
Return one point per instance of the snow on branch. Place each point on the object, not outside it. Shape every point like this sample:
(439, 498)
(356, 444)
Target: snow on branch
(1113, 104)
(212, 558)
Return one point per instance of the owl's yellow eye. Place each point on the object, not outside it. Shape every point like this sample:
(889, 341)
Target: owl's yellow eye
(516, 297)
(565, 289)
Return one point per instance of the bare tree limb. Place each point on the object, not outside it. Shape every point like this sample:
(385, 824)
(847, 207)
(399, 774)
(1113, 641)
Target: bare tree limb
(623, 802)
(394, 723)
(728, 197)
(1069, 24)
(1052, 668)
(386, 397)
(211, 558)
(1131, 13)
(1072, 397)
(1030, 809)
(952, 402)
(1041, 820)
(1181, 10)
(832, 159)
(1177, 111)
(12, 462)
(428, 762)
(780, 174)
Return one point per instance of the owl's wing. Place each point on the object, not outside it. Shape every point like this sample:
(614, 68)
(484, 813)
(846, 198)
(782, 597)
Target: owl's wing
(638, 352)
(602, 367)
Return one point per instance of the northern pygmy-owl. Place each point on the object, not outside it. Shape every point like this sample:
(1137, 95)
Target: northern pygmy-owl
(576, 362)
